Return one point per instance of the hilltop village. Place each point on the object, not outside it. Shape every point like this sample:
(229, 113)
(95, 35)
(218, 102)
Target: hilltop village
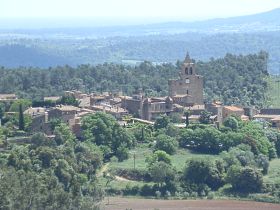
(185, 96)
(180, 146)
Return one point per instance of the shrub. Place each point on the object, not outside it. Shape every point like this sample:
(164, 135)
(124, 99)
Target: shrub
(113, 159)
(132, 174)
(211, 195)
(194, 194)
(167, 194)
(158, 194)
(131, 190)
(186, 194)
(147, 190)
(122, 153)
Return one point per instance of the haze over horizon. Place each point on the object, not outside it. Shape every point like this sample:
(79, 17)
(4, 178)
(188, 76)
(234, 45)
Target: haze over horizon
(42, 13)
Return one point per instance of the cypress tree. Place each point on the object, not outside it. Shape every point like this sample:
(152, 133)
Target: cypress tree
(187, 114)
(21, 118)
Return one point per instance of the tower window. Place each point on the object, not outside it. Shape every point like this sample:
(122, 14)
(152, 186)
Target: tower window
(187, 70)
(187, 81)
(191, 70)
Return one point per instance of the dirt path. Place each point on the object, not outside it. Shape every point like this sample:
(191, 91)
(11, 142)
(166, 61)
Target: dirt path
(118, 178)
(117, 203)
(102, 170)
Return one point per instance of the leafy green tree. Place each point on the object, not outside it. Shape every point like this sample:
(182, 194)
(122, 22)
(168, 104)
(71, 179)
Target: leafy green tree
(25, 103)
(200, 171)
(231, 122)
(161, 122)
(40, 139)
(205, 140)
(166, 143)
(205, 117)
(158, 156)
(68, 100)
(175, 117)
(89, 158)
(2, 110)
(263, 162)
(245, 180)
(122, 153)
(162, 172)
(103, 130)
(172, 131)
(63, 135)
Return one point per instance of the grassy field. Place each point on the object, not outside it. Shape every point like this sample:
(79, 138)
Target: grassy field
(142, 151)
(273, 175)
(274, 91)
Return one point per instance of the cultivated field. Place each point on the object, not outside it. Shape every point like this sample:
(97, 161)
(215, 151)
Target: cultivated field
(150, 204)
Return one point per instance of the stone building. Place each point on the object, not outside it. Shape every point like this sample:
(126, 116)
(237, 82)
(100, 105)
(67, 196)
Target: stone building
(147, 108)
(8, 97)
(235, 111)
(64, 113)
(70, 115)
(271, 115)
(188, 89)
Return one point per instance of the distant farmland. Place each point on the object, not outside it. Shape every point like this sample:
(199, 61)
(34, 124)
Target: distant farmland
(151, 204)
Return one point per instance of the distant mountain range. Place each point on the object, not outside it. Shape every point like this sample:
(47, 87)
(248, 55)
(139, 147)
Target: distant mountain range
(267, 21)
(162, 42)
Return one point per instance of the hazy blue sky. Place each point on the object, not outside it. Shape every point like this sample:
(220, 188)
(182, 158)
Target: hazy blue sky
(173, 9)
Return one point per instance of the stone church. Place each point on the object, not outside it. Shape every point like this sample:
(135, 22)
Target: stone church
(188, 89)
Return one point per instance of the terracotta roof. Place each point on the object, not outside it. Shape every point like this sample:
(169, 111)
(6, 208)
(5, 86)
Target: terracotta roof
(181, 96)
(143, 121)
(35, 110)
(244, 118)
(110, 109)
(266, 116)
(7, 96)
(52, 98)
(194, 117)
(178, 106)
(197, 107)
(276, 119)
(67, 108)
(233, 108)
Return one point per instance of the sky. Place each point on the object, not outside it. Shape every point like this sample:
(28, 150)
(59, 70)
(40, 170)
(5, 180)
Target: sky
(165, 10)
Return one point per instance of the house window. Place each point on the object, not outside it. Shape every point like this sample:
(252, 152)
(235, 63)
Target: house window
(187, 91)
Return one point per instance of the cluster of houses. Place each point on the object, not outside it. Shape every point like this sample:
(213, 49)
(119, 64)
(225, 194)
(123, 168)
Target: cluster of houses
(185, 94)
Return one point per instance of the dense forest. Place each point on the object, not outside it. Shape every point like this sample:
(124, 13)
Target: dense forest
(155, 48)
(57, 173)
(232, 79)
